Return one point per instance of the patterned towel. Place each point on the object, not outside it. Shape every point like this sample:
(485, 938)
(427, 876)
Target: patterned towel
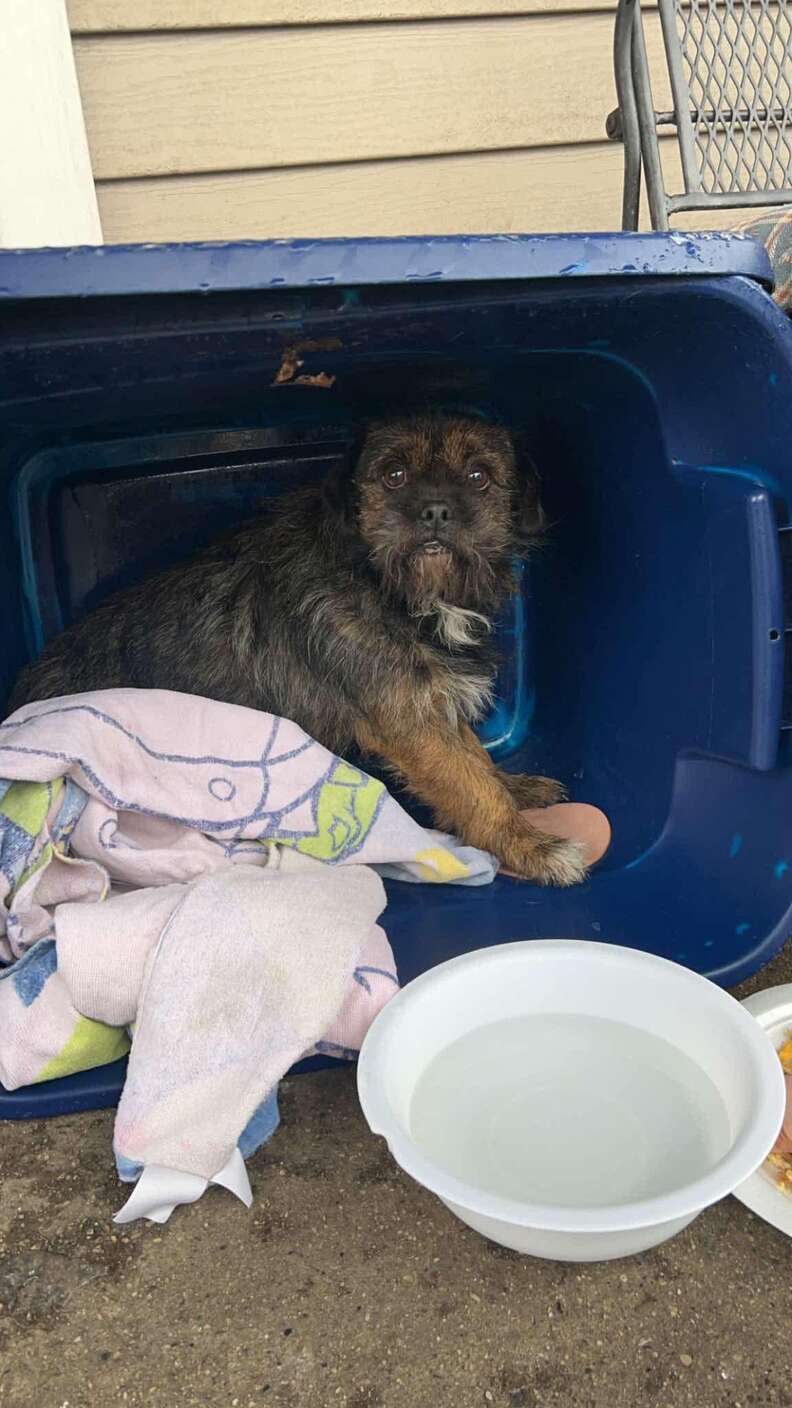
(774, 229)
(127, 818)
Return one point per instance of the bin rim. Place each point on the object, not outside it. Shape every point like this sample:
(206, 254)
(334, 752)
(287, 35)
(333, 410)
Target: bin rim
(247, 265)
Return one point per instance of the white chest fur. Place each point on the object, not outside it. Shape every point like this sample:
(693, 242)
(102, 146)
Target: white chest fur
(467, 696)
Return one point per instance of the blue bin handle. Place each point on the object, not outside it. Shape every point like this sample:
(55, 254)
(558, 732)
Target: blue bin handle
(741, 560)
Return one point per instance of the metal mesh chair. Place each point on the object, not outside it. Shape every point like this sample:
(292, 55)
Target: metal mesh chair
(730, 70)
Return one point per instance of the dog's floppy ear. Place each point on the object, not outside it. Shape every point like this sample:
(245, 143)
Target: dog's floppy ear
(529, 512)
(339, 490)
(529, 517)
(338, 498)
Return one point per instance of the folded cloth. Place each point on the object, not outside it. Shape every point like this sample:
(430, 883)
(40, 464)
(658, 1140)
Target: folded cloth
(248, 937)
(277, 949)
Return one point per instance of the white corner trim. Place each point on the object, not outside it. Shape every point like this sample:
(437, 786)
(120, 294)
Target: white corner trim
(47, 193)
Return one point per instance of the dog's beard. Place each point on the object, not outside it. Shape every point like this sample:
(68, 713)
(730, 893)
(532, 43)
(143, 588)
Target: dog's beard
(430, 581)
(437, 577)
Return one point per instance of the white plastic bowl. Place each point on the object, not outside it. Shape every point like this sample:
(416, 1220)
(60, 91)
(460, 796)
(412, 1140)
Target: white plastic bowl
(539, 978)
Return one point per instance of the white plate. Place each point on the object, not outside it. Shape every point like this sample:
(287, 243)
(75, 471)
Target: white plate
(773, 1011)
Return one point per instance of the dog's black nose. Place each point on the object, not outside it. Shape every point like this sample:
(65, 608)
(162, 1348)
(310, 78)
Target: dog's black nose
(435, 515)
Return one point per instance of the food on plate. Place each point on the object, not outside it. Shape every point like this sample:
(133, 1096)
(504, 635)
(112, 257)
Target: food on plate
(780, 1159)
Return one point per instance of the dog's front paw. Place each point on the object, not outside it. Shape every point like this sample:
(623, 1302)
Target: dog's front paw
(547, 860)
(530, 791)
(562, 863)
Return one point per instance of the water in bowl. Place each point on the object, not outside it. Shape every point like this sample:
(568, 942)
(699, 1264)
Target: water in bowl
(569, 1110)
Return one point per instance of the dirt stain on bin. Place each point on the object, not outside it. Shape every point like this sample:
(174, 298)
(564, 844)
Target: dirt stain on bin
(294, 357)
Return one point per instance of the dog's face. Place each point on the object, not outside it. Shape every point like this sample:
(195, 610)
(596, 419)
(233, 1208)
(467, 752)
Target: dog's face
(437, 509)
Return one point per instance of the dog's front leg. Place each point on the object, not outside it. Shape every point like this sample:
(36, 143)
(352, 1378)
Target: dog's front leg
(525, 789)
(453, 774)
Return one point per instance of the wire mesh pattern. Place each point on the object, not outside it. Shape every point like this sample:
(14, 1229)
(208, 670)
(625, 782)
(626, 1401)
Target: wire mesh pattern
(737, 59)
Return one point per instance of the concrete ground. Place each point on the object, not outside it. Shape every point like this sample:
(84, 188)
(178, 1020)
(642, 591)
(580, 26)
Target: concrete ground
(346, 1284)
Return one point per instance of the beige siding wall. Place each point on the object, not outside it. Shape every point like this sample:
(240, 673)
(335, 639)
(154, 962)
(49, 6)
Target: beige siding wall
(218, 119)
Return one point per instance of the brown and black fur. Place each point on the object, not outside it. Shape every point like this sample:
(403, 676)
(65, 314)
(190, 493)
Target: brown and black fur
(360, 608)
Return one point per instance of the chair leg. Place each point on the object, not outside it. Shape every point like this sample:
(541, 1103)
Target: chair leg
(628, 112)
(647, 126)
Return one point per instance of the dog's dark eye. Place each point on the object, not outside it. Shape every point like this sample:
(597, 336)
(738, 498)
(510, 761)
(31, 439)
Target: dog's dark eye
(478, 477)
(394, 478)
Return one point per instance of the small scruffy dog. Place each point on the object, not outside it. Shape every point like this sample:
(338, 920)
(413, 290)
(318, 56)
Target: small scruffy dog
(361, 608)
